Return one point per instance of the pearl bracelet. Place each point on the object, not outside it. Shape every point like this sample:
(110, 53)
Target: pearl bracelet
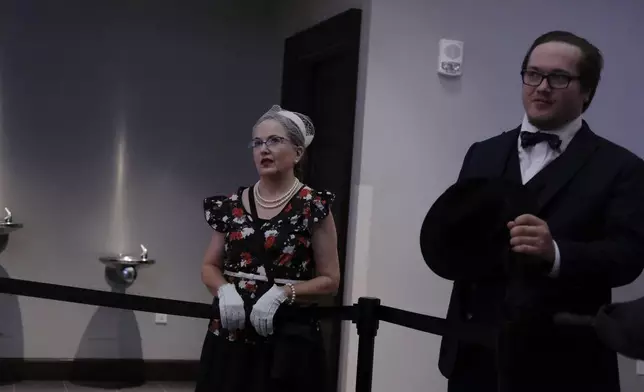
(291, 300)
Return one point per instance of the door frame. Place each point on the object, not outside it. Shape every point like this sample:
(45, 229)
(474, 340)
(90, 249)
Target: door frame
(339, 35)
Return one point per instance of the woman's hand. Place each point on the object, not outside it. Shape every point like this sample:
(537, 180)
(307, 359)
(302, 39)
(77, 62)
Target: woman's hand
(265, 308)
(231, 308)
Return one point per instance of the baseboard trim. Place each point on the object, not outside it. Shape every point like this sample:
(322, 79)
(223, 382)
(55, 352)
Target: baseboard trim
(119, 371)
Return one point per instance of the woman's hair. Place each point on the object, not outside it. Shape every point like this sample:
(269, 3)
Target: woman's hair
(300, 134)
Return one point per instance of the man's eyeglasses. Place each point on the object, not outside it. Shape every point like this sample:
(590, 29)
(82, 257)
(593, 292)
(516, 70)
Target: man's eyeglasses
(555, 80)
(270, 142)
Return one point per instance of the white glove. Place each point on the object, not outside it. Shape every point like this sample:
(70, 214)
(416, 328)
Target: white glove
(264, 310)
(231, 308)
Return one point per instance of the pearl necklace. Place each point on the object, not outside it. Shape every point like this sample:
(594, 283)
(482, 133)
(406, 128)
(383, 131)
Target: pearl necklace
(280, 201)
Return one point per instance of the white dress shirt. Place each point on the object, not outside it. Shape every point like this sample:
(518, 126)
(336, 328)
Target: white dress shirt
(533, 159)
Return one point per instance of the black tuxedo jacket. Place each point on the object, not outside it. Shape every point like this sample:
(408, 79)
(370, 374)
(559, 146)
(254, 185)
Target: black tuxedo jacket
(592, 197)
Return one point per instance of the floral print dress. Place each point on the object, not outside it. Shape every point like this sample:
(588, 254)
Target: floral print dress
(283, 244)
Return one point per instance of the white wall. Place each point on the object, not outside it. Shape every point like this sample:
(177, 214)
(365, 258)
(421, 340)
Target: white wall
(413, 130)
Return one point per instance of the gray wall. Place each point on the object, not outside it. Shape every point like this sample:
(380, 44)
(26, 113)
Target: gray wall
(414, 128)
(117, 118)
(424, 125)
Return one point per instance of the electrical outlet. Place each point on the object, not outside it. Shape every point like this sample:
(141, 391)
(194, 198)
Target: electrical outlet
(639, 368)
(160, 318)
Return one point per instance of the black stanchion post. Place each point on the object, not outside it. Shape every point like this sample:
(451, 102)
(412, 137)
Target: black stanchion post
(367, 326)
(502, 360)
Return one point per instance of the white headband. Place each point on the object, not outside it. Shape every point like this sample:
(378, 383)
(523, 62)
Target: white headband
(300, 125)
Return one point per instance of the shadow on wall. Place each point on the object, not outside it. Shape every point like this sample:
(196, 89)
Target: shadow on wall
(451, 85)
(111, 334)
(11, 333)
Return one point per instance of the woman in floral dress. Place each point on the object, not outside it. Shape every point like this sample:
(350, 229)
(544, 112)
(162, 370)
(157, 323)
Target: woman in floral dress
(274, 244)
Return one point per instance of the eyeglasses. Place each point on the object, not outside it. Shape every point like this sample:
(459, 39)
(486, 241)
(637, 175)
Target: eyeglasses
(555, 80)
(270, 142)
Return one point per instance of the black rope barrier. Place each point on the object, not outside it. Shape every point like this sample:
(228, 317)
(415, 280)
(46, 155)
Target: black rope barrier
(79, 295)
(366, 314)
(142, 303)
(472, 333)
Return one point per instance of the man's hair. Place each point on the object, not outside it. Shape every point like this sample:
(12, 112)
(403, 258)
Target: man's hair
(590, 66)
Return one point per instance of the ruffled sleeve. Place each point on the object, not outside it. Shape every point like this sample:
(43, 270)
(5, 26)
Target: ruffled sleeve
(217, 212)
(321, 205)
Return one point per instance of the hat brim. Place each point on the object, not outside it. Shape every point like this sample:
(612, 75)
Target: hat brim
(464, 235)
(620, 327)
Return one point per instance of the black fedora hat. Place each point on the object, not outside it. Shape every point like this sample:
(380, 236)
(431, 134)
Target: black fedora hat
(465, 235)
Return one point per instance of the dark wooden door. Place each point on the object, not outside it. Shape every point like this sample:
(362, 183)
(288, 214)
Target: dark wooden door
(320, 79)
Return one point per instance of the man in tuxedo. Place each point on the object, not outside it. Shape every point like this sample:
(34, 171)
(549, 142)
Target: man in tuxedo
(588, 233)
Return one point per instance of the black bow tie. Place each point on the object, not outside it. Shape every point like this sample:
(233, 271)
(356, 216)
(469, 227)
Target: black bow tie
(529, 139)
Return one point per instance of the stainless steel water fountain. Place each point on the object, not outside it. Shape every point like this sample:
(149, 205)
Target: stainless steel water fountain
(8, 225)
(126, 265)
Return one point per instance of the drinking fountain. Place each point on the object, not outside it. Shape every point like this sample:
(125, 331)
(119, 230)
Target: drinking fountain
(126, 266)
(8, 225)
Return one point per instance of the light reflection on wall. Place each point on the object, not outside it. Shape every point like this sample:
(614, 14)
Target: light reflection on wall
(2, 150)
(119, 226)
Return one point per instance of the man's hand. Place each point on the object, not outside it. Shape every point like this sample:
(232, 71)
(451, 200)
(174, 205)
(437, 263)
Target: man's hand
(531, 235)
